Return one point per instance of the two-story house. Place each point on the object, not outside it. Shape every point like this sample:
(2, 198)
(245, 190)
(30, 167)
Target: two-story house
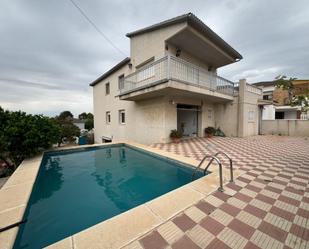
(170, 82)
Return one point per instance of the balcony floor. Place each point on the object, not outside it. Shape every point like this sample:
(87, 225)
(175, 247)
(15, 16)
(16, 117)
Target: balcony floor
(175, 88)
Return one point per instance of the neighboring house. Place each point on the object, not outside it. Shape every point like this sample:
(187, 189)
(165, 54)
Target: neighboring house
(280, 108)
(170, 82)
(79, 123)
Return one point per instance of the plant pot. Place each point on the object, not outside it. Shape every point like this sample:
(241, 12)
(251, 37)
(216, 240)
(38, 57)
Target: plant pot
(176, 140)
(209, 135)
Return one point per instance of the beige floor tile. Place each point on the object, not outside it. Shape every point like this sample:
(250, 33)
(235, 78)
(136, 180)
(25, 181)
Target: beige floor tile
(7, 238)
(66, 243)
(173, 202)
(170, 232)
(232, 239)
(14, 196)
(249, 219)
(195, 214)
(264, 241)
(214, 200)
(117, 231)
(200, 236)
(11, 216)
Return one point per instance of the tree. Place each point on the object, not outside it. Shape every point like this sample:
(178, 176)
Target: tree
(23, 135)
(88, 117)
(66, 115)
(89, 124)
(282, 82)
(302, 100)
(68, 130)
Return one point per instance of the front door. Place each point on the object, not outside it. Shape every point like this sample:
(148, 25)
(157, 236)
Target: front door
(187, 119)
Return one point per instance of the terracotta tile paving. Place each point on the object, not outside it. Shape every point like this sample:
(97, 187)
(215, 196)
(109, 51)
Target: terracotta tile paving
(269, 207)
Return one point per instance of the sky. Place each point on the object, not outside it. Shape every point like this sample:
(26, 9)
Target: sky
(49, 53)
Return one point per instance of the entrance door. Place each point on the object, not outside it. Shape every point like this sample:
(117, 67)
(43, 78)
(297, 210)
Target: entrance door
(187, 119)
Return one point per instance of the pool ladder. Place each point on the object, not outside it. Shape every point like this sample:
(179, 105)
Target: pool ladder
(217, 160)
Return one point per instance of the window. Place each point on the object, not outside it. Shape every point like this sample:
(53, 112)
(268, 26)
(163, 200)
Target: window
(121, 82)
(209, 113)
(251, 116)
(122, 117)
(279, 115)
(107, 89)
(108, 117)
(268, 97)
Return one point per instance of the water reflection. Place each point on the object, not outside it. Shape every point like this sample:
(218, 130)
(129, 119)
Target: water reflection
(110, 177)
(52, 174)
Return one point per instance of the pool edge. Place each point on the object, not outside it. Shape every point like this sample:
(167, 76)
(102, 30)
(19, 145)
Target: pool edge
(148, 215)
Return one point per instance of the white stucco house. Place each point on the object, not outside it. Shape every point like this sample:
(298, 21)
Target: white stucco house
(170, 82)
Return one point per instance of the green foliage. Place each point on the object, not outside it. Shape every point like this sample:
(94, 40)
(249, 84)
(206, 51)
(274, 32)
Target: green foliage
(68, 131)
(88, 117)
(282, 82)
(210, 130)
(219, 132)
(89, 124)
(175, 134)
(23, 135)
(66, 115)
(85, 115)
(302, 101)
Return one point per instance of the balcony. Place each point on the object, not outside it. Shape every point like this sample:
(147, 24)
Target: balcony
(172, 73)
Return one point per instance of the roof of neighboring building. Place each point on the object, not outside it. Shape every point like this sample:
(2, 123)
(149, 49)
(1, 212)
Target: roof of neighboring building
(110, 71)
(196, 23)
(264, 83)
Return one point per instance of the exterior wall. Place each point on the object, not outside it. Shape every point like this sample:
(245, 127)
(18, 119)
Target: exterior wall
(268, 112)
(226, 117)
(145, 46)
(285, 127)
(81, 126)
(188, 57)
(290, 114)
(248, 109)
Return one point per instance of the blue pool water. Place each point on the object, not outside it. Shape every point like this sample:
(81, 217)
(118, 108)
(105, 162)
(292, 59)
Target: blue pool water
(75, 190)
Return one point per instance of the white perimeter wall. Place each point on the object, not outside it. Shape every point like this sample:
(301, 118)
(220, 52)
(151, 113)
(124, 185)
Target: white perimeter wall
(285, 127)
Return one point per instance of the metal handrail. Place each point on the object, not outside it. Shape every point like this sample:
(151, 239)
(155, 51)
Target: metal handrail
(205, 170)
(231, 164)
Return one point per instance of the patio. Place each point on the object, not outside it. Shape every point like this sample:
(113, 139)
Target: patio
(266, 207)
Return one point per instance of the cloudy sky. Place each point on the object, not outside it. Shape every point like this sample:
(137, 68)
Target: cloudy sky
(49, 53)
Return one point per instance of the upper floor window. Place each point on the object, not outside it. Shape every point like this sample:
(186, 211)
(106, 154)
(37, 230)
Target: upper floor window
(108, 117)
(121, 82)
(107, 88)
(122, 117)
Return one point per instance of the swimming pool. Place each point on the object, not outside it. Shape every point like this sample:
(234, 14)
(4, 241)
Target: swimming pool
(78, 189)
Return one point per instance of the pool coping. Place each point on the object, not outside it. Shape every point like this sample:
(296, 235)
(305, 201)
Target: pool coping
(119, 230)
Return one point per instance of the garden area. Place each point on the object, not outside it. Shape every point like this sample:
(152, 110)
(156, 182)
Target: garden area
(25, 135)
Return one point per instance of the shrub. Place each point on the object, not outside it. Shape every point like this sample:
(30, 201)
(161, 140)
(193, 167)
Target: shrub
(210, 130)
(219, 133)
(23, 135)
(175, 134)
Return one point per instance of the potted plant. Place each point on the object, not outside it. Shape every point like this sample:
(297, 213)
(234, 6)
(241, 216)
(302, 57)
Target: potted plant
(210, 131)
(175, 136)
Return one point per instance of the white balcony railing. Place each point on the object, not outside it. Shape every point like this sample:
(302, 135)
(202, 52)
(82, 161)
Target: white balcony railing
(173, 68)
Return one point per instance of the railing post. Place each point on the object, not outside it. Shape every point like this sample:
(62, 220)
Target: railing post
(168, 67)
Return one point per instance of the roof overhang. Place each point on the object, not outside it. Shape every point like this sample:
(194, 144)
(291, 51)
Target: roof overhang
(112, 70)
(198, 45)
(201, 32)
